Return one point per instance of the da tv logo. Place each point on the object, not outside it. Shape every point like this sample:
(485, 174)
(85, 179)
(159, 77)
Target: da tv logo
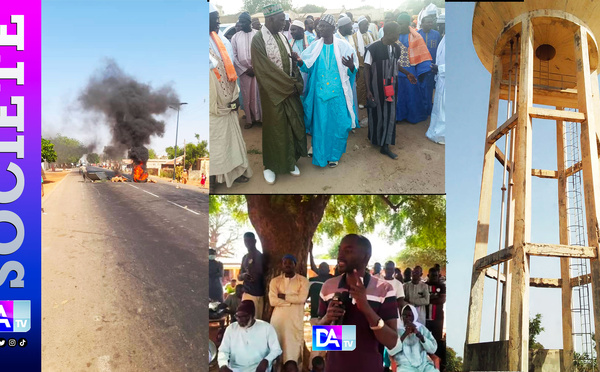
(15, 316)
(337, 338)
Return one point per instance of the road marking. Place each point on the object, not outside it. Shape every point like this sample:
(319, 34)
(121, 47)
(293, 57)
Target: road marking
(168, 201)
(186, 208)
(103, 363)
(147, 192)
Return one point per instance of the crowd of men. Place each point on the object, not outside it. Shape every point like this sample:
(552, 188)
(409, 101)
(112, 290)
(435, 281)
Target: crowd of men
(370, 300)
(311, 77)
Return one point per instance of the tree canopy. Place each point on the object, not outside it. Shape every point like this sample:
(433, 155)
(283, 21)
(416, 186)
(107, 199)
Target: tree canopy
(535, 328)
(151, 154)
(193, 151)
(68, 150)
(419, 220)
(93, 158)
(48, 152)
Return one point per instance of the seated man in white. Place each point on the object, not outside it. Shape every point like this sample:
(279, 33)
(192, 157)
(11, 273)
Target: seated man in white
(249, 344)
(414, 343)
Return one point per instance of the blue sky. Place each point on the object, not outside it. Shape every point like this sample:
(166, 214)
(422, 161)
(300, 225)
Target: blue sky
(156, 41)
(468, 84)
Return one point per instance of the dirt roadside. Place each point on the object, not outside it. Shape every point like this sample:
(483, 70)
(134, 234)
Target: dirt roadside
(419, 168)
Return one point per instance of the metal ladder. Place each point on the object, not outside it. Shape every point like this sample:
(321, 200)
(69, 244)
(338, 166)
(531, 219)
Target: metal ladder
(579, 267)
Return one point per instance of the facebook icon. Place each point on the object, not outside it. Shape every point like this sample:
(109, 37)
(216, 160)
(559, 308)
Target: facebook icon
(334, 338)
(15, 316)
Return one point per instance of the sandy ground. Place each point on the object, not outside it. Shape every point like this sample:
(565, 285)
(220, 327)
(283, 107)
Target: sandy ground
(419, 168)
(52, 179)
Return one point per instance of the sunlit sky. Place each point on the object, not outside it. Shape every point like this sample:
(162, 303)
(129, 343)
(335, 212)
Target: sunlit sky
(157, 42)
(234, 6)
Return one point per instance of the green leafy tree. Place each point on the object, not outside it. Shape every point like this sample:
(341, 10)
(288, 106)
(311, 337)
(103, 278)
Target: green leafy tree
(255, 6)
(68, 150)
(151, 154)
(195, 151)
(48, 152)
(93, 158)
(171, 151)
(535, 328)
(289, 223)
(454, 363)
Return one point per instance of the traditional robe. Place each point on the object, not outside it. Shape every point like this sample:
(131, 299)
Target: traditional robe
(242, 349)
(432, 39)
(280, 86)
(414, 57)
(411, 354)
(288, 314)
(328, 103)
(361, 41)
(241, 42)
(229, 159)
(383, 60)
(437, 124)
(418, 296)
(351, 40)
(374, 30)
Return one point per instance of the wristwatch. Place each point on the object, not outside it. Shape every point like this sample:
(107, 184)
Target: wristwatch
(233, 105)
(379, 325)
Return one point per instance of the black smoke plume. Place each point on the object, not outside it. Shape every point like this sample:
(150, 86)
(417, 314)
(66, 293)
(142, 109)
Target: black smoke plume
(129, 108)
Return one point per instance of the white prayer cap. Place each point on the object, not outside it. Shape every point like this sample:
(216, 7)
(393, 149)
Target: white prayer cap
(441, 18)
(212, 8)
(431, 9)
(361, 19)
(298, 23)
(342, 15)
(287, 16)
(344, 21)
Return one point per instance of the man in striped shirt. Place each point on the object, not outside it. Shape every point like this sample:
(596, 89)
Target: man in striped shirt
(370, 306)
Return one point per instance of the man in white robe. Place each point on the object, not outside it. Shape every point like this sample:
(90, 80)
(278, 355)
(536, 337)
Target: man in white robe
(287, 295)
(437, 125)
(241, 43)
(250, 344)
(229, 160)
(345, 33)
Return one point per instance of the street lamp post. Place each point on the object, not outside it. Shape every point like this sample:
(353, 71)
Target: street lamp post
(176, 134)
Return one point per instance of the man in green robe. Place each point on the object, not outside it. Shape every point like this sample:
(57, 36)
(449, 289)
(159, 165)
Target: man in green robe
(280, 85)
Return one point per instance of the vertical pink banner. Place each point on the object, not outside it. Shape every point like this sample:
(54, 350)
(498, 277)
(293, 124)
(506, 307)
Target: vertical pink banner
(20, 188)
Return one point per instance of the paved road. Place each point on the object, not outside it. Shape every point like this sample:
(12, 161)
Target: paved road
(124, 277)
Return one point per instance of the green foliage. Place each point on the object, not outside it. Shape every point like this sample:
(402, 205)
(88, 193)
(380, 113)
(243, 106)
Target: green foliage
(167, 173)
(311, 8)
(453, 361)
(255, 6)
(195, 151)
(535, 328)
(93, 158)
(151, 154)
(48, 152)
(68, 150)
(418, 219)
(584, 363)
(178, 173)
(171, 151)
(234, 205)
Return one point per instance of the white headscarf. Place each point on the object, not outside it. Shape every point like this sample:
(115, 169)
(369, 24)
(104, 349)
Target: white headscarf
(415, 315)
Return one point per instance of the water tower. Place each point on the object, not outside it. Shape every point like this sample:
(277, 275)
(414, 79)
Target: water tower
(539, 52)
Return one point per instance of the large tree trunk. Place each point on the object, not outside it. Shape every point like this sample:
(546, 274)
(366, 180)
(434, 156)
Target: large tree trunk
(285, 224)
